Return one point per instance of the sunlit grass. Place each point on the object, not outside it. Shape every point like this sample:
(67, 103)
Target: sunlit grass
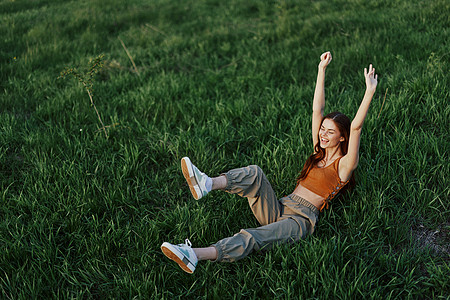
(228, 84)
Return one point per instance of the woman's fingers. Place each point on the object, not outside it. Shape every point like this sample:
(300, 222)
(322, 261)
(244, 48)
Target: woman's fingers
(326, 56)
(371, 71)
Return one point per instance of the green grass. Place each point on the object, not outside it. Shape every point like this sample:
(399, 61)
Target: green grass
(228, 83)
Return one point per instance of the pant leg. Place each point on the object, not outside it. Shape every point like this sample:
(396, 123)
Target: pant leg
(250, 182)
(244, 242)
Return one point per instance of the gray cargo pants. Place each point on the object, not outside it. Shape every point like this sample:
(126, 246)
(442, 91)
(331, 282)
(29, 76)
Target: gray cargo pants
(283, 221)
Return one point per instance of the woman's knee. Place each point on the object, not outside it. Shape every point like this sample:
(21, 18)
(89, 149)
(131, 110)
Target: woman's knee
(257, 171)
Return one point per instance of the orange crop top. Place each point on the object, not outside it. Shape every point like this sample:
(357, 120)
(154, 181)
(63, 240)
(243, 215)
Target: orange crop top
(324, 182)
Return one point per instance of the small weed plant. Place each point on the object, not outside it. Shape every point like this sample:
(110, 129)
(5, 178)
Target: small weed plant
(87, 80)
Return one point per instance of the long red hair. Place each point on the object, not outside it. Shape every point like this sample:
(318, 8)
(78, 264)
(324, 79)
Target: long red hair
(343, 124)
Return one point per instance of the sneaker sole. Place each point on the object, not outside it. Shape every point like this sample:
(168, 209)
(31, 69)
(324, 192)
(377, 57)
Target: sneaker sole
(176, 257)
(188, 173)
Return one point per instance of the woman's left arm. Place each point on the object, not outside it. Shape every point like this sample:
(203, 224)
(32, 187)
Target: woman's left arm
(350, 161)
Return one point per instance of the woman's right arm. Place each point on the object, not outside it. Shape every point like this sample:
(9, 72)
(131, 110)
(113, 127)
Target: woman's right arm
(319, 96)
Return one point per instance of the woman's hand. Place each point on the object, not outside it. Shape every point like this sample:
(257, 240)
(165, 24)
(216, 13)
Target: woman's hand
(325, 60)
(371, 78)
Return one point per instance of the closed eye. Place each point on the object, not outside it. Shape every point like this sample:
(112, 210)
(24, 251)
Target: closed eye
(331, 131)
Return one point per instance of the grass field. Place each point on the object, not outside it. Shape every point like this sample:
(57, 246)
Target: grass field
(227, 83)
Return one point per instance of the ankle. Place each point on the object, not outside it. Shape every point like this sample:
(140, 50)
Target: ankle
(219, 183)
(208, 253)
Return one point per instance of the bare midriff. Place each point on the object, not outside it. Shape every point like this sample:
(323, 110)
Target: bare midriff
(309, 196)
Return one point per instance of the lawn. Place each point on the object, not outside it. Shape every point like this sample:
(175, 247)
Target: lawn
(85, 207)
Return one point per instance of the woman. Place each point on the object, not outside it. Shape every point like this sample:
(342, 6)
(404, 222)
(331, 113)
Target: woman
(326, 172)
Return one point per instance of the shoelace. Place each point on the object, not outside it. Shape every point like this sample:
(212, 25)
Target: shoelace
(188, 243)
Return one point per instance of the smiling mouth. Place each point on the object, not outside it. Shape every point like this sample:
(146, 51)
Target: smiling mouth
(324, 140)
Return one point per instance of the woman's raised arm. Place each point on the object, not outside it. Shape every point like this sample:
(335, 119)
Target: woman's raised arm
(319, 96)
(350, 161)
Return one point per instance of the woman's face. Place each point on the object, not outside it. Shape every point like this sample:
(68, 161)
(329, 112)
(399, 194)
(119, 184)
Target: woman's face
(329, 134)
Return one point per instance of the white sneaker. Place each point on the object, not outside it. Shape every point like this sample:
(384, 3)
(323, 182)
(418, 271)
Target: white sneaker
(182, 254)
(195, 178)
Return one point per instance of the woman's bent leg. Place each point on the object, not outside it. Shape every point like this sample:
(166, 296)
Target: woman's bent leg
(251, 183)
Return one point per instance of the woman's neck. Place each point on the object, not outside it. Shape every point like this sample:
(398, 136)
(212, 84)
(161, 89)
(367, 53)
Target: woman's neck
(331, 154)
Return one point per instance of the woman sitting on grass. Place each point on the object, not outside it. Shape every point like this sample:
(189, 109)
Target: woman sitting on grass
(326, 172)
